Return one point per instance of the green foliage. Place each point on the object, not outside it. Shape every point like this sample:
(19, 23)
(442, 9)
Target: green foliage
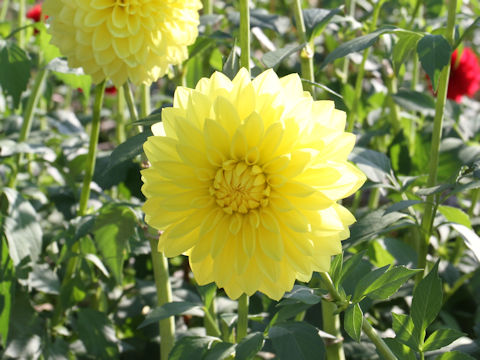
(434, 54)
(15, 64)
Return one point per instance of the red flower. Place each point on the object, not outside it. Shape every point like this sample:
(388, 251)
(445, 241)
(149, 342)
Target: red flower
(464, 75)
(111, 90)
(35, 13)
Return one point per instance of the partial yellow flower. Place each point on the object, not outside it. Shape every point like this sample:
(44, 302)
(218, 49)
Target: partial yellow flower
(120, 39)
(244, 179)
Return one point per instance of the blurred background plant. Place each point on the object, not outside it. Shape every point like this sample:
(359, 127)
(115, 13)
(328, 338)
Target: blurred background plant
(380, 61)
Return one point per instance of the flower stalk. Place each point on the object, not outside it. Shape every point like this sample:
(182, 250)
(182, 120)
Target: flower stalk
(306, 55)
(430, 207)
(242, 323)
(28, 119)
(92, 148)
(245, 34)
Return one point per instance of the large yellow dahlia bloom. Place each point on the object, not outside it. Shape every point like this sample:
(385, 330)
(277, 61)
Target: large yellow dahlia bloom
(120, 39)
(244, 179)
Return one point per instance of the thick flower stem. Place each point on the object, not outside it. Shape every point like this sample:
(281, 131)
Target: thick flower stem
(21, 23)
(3, 12)
(475, 200)
(306, 55)
(159, 261)
(145, 100)
(164, 296)
(352, 115)
(92, 148)
(331, 325)
(242, 322)
(28, 119)
(368, 330)
(430, 208)
(245, 34)
(120, 132)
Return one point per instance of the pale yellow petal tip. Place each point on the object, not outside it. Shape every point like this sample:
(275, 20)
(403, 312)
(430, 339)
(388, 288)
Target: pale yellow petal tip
(132, 39)
(246, 185)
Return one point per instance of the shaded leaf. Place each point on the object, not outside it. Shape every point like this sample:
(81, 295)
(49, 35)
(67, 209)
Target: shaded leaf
(191, 348)
(402, 351)
(434, 53)
(455, 215)
(220, 350)
(232, 64)
(97, 334)
(274, 58)
(129, 149)
(297, 340)
(415, 101)
(375, 165)
(401, 205)
(316, 19)
(404, 330)
(15, 65)
(249, 346)
(406, 44)
(171, 309)
(454, 355)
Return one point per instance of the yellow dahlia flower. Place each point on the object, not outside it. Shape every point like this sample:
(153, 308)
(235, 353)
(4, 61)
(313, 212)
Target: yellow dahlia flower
(120, 39)
(244, 179)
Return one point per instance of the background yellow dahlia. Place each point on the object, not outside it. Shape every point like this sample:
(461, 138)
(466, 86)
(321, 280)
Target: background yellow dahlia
(120, 39)
(244, 179)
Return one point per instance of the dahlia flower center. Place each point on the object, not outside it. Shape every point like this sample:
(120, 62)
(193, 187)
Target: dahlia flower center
(239, 187)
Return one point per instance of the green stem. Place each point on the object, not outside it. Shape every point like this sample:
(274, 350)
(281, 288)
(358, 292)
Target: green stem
(3, 13)
(374, 198)
(130, 102)
(242, 323)
(21, 24)
(353, 114)
(391, 83)
(382, 348)
(164, 296)
(28, 119)
(342, 302)
(210, 323)
(475, 200)
(430, 207)
(306, 55)
(245, 34)
(350, 5)
(92, 148)
(414, 14)
(145, 100)
(331, 325)
(120, 134)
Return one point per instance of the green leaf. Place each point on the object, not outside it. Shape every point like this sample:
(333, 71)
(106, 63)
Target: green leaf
(353, 321)
(336, 268)
(297, 340)
(402, 351)
(129, 149)
(7, 291)
(356, 45)
(21, 227)
(388, 283)
(455, 215)
(437, 189)
(454, 355)
(274, 58)
(415, 101)
(441, 338)
(316, 19)
(350, 265)
(404, 330)
(72, 292)
(49, 51)
(232, 64)
(406, 43)
(302, 294)
(191, 348)
(15, 65)
(434, 53)
(208, 293)
(249, 346)
(427, 301)
(402, 205)
(42, 278)
(375, 165)
(220, 350)
(75, 78)
(171, 309)
(367, 283)
(96, 332)
(373, 224)
(113, 227)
